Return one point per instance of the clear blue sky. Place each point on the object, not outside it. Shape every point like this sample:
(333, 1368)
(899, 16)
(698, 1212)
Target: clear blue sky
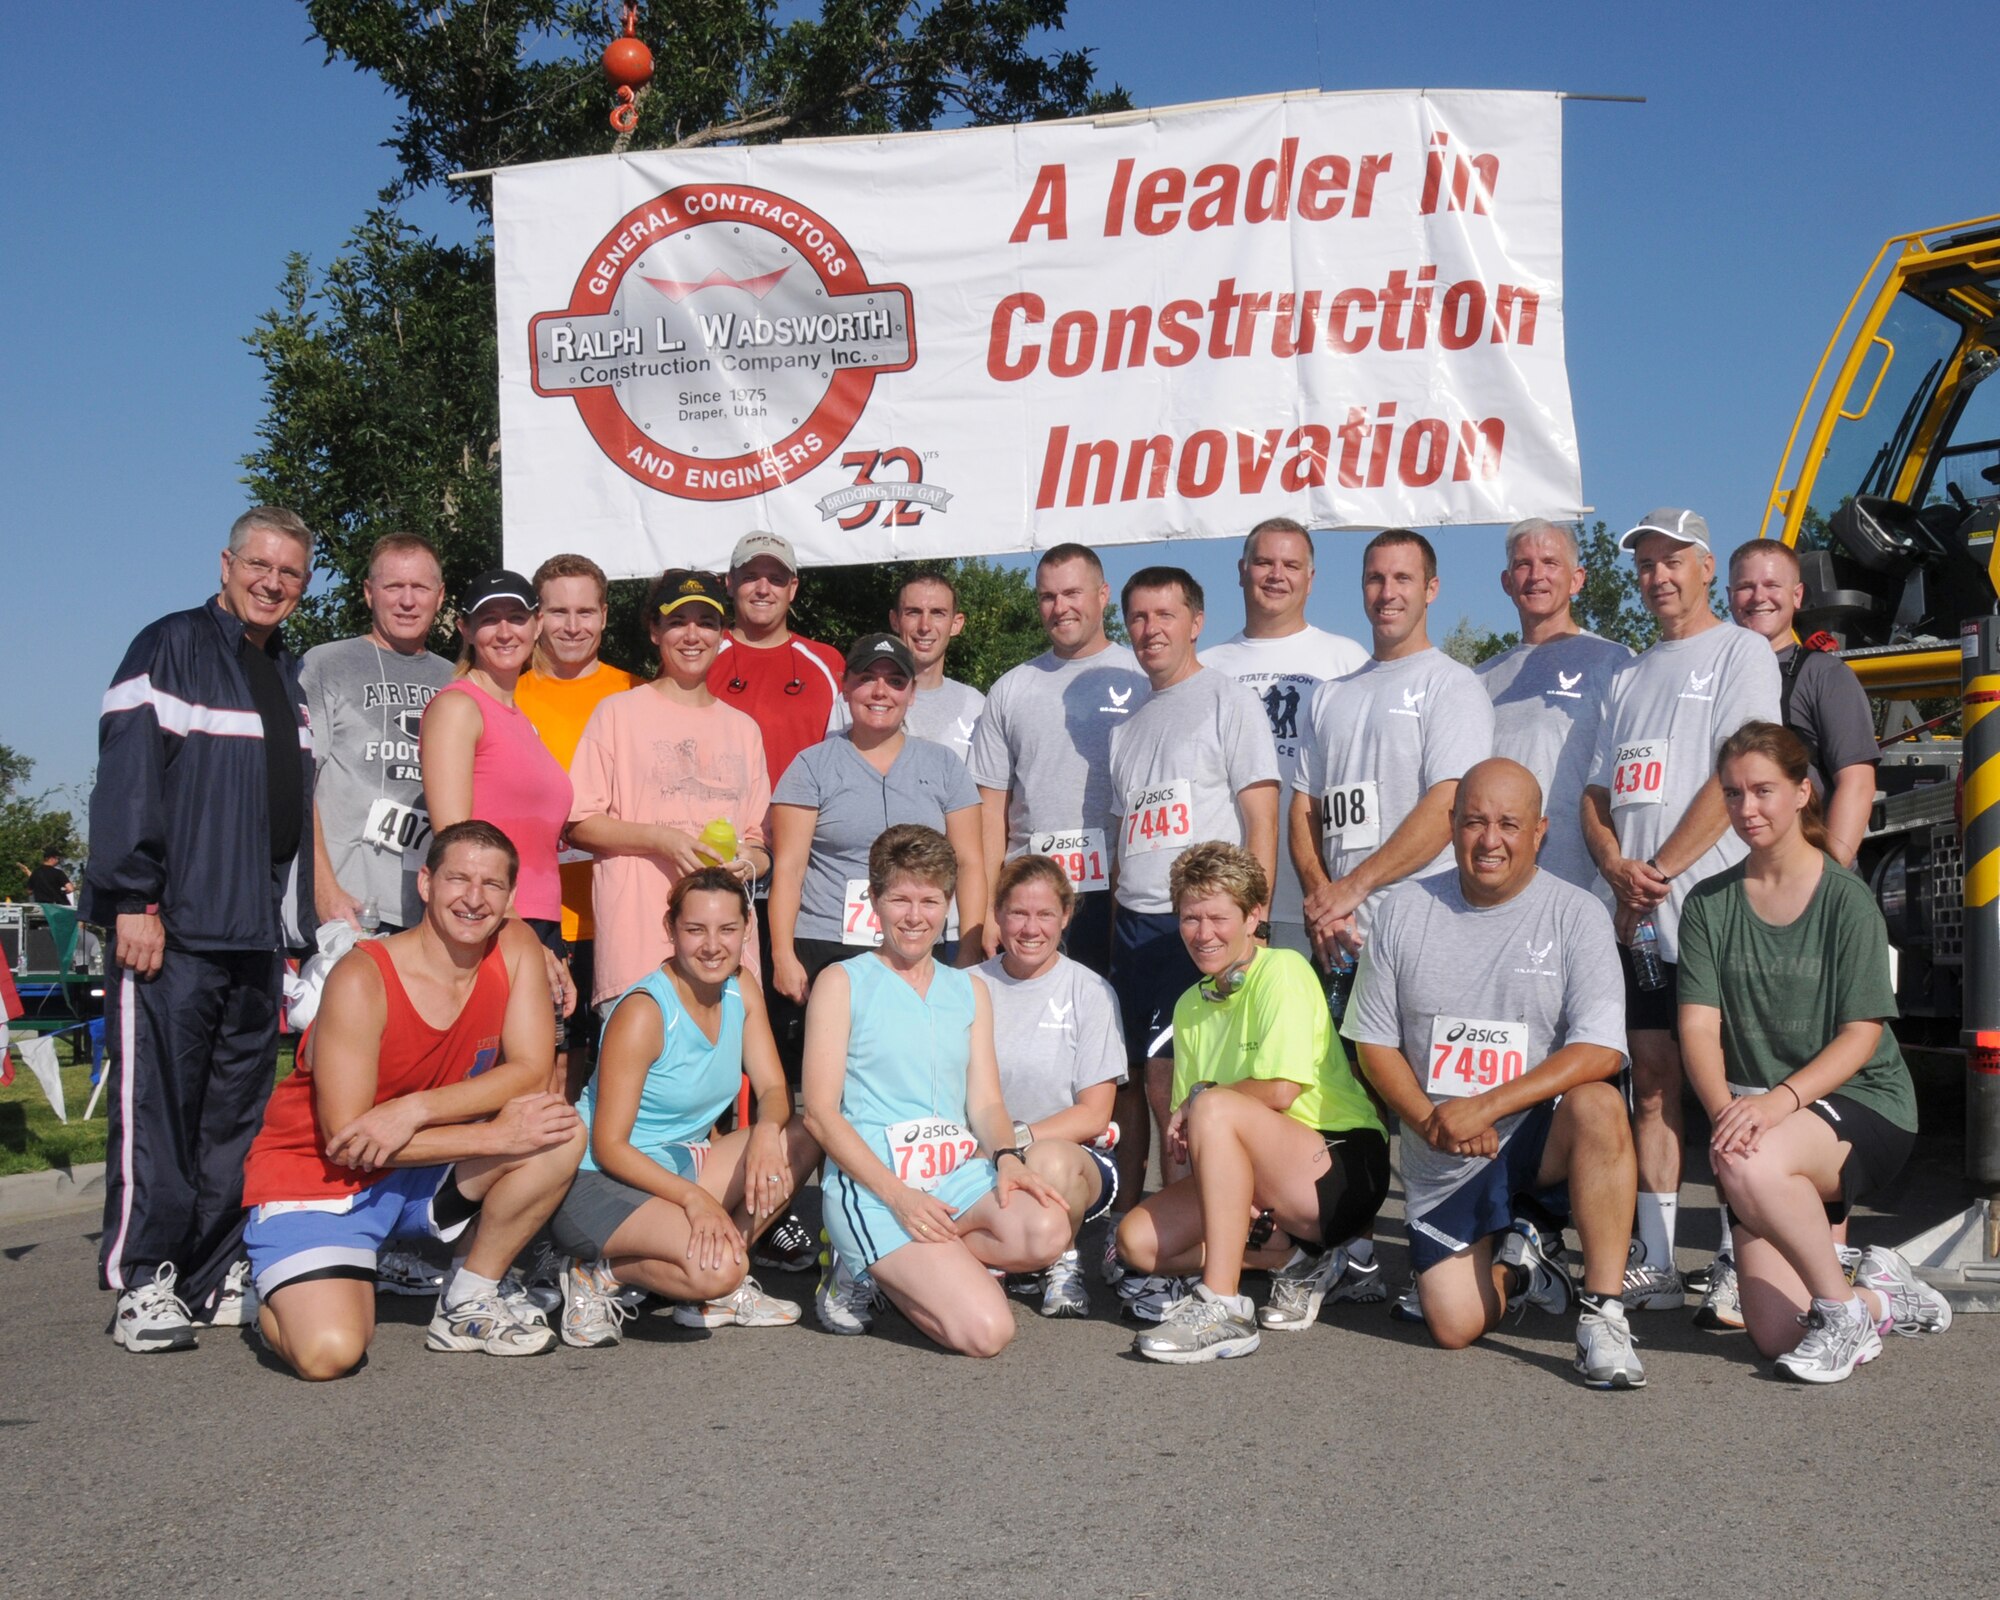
(1712, 237)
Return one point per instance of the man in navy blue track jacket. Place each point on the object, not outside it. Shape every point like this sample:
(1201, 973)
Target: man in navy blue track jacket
(200, 864)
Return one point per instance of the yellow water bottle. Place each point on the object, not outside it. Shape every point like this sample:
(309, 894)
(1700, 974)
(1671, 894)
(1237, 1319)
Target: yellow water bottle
(718, 841)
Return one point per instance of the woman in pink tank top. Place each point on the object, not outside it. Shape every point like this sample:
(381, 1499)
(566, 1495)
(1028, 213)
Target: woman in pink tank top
(482, 757)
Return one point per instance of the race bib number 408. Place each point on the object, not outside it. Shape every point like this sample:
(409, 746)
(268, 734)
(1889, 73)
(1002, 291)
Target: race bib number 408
(1639, 775)
(1160, 818)
(924, 1151)
(1079, 852)
(1353, 816)
(1470, 1055)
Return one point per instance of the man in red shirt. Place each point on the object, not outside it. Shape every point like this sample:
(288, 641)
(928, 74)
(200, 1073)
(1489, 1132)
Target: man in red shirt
(418, 1105)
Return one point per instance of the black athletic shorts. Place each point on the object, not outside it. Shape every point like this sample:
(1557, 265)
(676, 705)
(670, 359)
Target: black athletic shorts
(1658, 1010)
(1354, 1185)
(1876, 1151)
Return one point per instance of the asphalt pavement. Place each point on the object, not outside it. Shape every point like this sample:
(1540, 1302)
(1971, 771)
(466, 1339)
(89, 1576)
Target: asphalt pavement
(1352, 1458)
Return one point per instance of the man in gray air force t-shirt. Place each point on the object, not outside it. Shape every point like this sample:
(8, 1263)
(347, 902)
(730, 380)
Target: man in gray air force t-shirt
(1548, 690)
(1654, 822)
(926, 618)
(366, 697)
(1488, 1014)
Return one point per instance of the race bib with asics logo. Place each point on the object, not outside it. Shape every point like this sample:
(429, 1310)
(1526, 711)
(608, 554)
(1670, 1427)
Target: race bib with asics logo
(1160, 818)
(924, 1151)
(1470, 1055)
(1079, 852)
(1353, 816)
(401, 828)
(858, 922)
(1639, 775)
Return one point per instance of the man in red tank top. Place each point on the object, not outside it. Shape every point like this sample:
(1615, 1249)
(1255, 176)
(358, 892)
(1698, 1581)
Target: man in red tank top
(427, 1066)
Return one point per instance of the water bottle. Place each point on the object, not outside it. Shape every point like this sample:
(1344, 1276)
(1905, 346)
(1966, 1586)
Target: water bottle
(1339, 982)
(1646, 966)
(370, 918)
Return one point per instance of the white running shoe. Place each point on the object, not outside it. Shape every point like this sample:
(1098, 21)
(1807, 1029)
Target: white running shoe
(1148, 1298)
(1111, 1269)
(524, 1302)
(1836, 1342)
(1914, 1306)
(236, 1301)
(845, 1302)
(1063, 1293)
(489, 1323)
(1299, 1288)
(1651, 1288)
(1722, 1307)
(1549, 1288)
(150, 1317)
(592, 1316)
(748, 1307)
(406, 1272)
(1201, 1326)
(1604, 1349)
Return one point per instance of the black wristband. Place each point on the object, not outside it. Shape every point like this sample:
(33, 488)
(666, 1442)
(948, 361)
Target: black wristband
(1011, 1150)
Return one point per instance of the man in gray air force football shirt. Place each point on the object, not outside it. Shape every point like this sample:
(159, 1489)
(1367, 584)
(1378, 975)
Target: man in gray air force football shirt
(1386, 747)
(1548, 690)
(1488, 1014)
(366, 697)
(1654, 823)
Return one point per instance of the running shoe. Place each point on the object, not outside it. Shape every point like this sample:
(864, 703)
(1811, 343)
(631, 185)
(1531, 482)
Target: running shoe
(524, 1302)
(1914, 1306)
(1148, 1297)
(1651, 1288)
(490, 1323)
(151, 1318)
(236, 1301)
(1027, 1285)
(1549, 1288)
(748, 1307)
(1604, 1349)
(1850, 1259)
(787, 1247)
(1299, 1288)
(845, 1302)
(1722, 1307)
(1696, 1280)
(542, 1282)
(1836, 1342)
(1063, 1293)
(1408, 1307)
(591, 1316)
(406, 1272)
(1360, 1283)
(1111, 1270)
(1201, 1326)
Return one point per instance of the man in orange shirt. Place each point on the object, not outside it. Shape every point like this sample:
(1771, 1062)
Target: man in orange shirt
(558, 695)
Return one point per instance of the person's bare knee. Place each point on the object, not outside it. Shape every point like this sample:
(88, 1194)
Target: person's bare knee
(1047, 1234)
(1138, 1241)
(325, 1352)
(982, 1331)
(1212, 1116)
(714, 1283)
(1596, 1113)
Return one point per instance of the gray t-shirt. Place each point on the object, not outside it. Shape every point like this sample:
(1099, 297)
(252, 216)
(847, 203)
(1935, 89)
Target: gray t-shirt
(1521, 979)
(1378, 742)
(1547, 700)
(366, 705)
(1669, 711)
(1046, 737)
(1176, 771)
(1830, 711)
(1054, 1035)
(925, 784)
(946, 715)
(1283, 673)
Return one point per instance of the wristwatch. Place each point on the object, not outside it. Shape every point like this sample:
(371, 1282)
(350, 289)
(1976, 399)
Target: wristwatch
(1015, 1151)
(1195, 1089)
(1023, 1135)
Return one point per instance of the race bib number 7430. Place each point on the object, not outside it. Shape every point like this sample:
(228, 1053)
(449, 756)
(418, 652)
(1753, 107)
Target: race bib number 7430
(1470, 1055)
(924, 1151)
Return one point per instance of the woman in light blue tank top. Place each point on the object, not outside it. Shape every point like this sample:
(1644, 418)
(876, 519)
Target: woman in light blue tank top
(903, 1093)
(660, 1202)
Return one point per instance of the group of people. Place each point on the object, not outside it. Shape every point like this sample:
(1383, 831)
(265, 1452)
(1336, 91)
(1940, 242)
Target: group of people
(643, 955)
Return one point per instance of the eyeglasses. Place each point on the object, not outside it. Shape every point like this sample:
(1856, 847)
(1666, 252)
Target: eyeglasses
(259, 570)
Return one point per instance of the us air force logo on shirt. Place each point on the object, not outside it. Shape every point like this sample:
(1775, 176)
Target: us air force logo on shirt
(1567, 686)
(1409, 707)
(1058, 1016)
(1539, 963)
(1119, 697)
(1698, 683)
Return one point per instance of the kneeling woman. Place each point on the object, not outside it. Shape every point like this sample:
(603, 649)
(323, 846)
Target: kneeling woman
(658, 1202)
(1784, 988)
(925, 1189)
(1061, 1053)
(1289, 1153)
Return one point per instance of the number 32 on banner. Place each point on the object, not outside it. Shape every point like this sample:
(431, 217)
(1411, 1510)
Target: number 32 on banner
(866, 463)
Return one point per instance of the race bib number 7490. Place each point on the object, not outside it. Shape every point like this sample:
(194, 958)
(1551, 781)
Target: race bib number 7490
(1470, 1055)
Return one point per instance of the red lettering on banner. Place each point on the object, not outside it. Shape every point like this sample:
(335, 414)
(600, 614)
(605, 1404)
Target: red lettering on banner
(999, 364)
(1321, 189)
(1267, 193)
(1047, 207)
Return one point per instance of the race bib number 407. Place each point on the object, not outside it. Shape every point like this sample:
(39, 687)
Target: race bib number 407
(403, 829)
(1160, 818)
(1079, 852)
(926, 1150)
(1470, 1055)
(1639, 775)
(1353, 816)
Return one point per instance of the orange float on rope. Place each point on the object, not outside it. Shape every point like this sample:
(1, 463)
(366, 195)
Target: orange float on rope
(629, 65)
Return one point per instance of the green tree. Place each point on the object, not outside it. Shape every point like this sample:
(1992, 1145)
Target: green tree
(380, 370)
(29, 826)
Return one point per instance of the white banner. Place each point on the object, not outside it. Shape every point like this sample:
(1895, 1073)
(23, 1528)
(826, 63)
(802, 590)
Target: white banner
(1344, 308)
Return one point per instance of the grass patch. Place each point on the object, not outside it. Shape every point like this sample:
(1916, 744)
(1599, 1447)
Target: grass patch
(32, 1140)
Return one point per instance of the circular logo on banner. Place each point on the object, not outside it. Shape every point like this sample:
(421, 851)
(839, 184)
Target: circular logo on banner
(721, 340)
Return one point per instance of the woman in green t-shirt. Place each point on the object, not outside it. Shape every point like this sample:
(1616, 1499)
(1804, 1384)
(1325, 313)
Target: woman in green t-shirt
(1285, 1144)
(1784, 992)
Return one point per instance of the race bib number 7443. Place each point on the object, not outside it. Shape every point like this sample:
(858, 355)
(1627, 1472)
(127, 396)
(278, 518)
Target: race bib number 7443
(924, 1151)
(1470, 1055)
(1160, 818)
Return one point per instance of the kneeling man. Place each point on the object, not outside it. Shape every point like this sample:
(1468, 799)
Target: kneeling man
(1489, 1014)
(417, 1106)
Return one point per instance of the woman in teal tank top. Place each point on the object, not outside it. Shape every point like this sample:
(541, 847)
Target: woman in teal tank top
(924, 1191)
(660, 1202)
